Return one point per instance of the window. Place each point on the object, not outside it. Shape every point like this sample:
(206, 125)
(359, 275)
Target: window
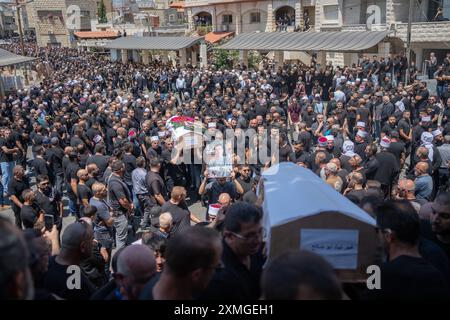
(171, 17)
(330, 12)
(255, 17)
(227, 19)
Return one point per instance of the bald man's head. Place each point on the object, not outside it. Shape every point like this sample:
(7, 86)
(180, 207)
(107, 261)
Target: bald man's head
(136, 265)
(421, 168)
(337, 162)
(406, 184)
(224, 199)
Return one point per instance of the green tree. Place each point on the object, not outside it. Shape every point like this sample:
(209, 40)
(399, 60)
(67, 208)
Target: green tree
(101, 13)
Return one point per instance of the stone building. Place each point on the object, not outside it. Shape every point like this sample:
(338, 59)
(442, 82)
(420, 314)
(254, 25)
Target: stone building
(241, 16)
(55, 21)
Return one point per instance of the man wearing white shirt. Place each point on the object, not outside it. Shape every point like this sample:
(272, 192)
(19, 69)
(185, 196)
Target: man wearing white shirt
(181, 85)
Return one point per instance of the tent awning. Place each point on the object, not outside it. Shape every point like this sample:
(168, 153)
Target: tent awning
(292, 192)
(8, 58)
(96, 34)
(153, 43)
(342, 41)
(214, 37)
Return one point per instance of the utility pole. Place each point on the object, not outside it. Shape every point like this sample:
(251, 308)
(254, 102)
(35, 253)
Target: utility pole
(408, 41)
(22, 46)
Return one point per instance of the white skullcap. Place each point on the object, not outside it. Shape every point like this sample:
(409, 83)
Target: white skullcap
(361, 124)
(436, 132)
(154, 138)
(385, 142)
(330, 137)
(211, 125)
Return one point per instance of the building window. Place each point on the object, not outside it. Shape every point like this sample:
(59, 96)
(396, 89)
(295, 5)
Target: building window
(180, 15)
(227, 19)
(171, 17)
(255, 17)
(330, 12)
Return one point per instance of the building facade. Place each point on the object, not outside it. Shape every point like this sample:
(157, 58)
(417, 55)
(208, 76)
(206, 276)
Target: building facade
(7, 21)
(241, 16)
(55, 21)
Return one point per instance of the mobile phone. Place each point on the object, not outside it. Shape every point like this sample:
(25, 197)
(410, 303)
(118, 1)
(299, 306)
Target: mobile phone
(49, 222)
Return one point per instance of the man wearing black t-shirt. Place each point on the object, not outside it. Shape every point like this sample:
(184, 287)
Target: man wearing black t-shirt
(438, 228)
(157, 193)
(245, 179)
(100, 160)
(55, 156)
(76, 245)
(30, 213)
(49, 200)
(17, 185)
(177, 207)
(71, 183)
(39, 164)
(406, 275)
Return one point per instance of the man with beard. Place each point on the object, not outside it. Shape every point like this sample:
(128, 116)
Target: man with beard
(406, 274)
(49, 200)
(438, 228)
(331, 148)
(300, 155)
(361, 144)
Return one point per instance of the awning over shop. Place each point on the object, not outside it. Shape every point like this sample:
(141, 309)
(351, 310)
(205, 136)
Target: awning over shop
(214, 37)
(341, 41)
(96, 34)
(153, 43)
(8, 58)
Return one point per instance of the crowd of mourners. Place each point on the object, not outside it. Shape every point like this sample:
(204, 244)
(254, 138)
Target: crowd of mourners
(89, 140)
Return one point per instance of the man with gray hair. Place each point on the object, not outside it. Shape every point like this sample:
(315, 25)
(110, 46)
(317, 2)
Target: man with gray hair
(136, 265)
(64, 276)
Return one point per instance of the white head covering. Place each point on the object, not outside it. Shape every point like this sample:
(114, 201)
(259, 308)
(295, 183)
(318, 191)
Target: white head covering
(385, 142)
(330, 137)
(427, 142)
(154, 138)
(361, 124)
(436, 132)
(361, 133)
(348, 148)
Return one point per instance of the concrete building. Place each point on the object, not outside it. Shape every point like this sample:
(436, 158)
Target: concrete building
(167, 16)
(241, 16)
(55, 21)
(7, 21)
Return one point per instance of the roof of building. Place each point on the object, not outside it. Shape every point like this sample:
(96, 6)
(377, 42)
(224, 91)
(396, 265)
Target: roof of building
(340, 41)
(213, 37)
(177, 5)
(8, 58)
(96, 34)
(153, 43)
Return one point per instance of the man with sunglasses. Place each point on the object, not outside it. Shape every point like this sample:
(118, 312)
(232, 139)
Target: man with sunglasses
(242, 260)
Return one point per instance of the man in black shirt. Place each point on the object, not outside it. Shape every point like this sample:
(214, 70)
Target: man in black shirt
(31, 215)
(191, 257)
(17, 185)
(121, 202)
(49, 200)
(157, 193)
(438, 228)
(84, 193)
(76, 245)
(100, 160)
(39, 164)
(406, 275)
(71, 183)
(55, 156)
(176, 206)
(130, 164)
(245, 179)
(242, 259)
